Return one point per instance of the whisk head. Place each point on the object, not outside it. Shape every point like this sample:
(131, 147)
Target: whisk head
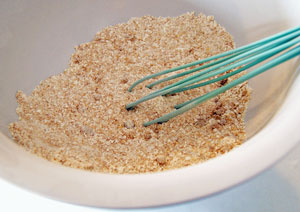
(217, 67)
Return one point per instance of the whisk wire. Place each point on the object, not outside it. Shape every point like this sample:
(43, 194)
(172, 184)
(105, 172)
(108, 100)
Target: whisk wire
(280, 59)
(241, 58)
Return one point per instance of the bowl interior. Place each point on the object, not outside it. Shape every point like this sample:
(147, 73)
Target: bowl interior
(37, 39)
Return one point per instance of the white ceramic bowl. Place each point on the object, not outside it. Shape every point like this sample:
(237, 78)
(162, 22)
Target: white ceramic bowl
(36, 40)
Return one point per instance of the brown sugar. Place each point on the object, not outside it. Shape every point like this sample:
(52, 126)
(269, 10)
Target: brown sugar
(78, 118)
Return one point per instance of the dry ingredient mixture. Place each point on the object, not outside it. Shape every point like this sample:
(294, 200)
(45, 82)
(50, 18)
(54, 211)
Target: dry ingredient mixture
(78, 118)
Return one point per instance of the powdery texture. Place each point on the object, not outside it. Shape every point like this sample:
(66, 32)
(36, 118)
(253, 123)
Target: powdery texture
(78, 118)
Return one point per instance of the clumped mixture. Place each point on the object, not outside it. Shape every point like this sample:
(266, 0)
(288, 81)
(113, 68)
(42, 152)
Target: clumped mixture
(78, 118)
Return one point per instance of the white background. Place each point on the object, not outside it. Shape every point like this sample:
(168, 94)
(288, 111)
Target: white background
(275, 190)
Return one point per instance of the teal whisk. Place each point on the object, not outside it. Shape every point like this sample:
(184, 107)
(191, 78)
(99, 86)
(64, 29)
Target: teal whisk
(242, 58)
